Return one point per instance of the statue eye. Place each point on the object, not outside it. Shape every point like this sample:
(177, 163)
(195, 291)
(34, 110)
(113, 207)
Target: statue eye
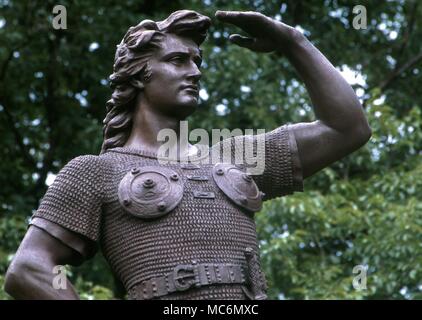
(177, 59)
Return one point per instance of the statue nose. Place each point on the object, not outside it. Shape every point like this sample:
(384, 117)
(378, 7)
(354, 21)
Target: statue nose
(195, 74)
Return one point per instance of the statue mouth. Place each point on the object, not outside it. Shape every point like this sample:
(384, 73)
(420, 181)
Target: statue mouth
(191, 88)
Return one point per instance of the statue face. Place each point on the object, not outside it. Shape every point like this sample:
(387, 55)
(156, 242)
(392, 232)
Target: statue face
(173, 88)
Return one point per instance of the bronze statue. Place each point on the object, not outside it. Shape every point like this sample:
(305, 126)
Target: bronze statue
(184, 230)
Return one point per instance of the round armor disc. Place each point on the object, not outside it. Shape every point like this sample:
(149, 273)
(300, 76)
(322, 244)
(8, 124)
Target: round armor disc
(150, 192)
(238, 186)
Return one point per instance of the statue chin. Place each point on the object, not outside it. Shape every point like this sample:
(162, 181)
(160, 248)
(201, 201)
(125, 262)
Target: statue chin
(185, 110)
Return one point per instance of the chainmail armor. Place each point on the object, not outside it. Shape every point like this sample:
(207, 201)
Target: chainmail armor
(84, 199)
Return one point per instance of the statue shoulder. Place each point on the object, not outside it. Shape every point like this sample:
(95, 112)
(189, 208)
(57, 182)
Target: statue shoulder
(86, 162)
(84, 168)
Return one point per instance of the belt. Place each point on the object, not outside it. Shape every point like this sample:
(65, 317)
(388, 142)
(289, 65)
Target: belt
(186, 276)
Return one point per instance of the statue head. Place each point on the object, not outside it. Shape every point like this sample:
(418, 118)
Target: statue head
(134, 65)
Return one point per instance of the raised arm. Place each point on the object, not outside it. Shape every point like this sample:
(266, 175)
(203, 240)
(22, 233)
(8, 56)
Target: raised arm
(30, 275)
(341, 126)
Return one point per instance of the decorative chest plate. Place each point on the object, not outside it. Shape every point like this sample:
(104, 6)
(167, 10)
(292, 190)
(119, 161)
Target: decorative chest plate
(238, 186)
(150, 192)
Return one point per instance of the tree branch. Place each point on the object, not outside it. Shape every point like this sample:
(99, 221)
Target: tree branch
(50, 102)
(5, 64)
(28, 159)
(400, 70)
(408, 32)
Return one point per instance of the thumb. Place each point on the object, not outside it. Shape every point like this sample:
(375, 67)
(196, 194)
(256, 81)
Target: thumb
(242, 41)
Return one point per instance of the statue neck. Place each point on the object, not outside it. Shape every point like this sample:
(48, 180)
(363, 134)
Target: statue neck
(147, 124)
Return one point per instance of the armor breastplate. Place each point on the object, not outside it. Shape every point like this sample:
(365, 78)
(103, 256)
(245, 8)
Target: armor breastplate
(150, 192)
(177, 227)
(166, 216)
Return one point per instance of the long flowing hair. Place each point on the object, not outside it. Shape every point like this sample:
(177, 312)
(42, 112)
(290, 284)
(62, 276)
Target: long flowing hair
(131, 70)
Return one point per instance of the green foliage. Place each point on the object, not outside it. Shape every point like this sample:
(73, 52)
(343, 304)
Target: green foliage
(89, 291)
(312, 241)
(363, 210)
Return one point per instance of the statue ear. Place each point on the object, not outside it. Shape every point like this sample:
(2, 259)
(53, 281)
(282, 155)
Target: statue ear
(137, 84)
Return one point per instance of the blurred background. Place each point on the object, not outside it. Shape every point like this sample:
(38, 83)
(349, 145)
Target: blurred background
(365, 210)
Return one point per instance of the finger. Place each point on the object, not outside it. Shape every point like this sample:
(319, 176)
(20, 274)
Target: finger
(227, 15)
(231, 16)
(240, 19)
(242, 41)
